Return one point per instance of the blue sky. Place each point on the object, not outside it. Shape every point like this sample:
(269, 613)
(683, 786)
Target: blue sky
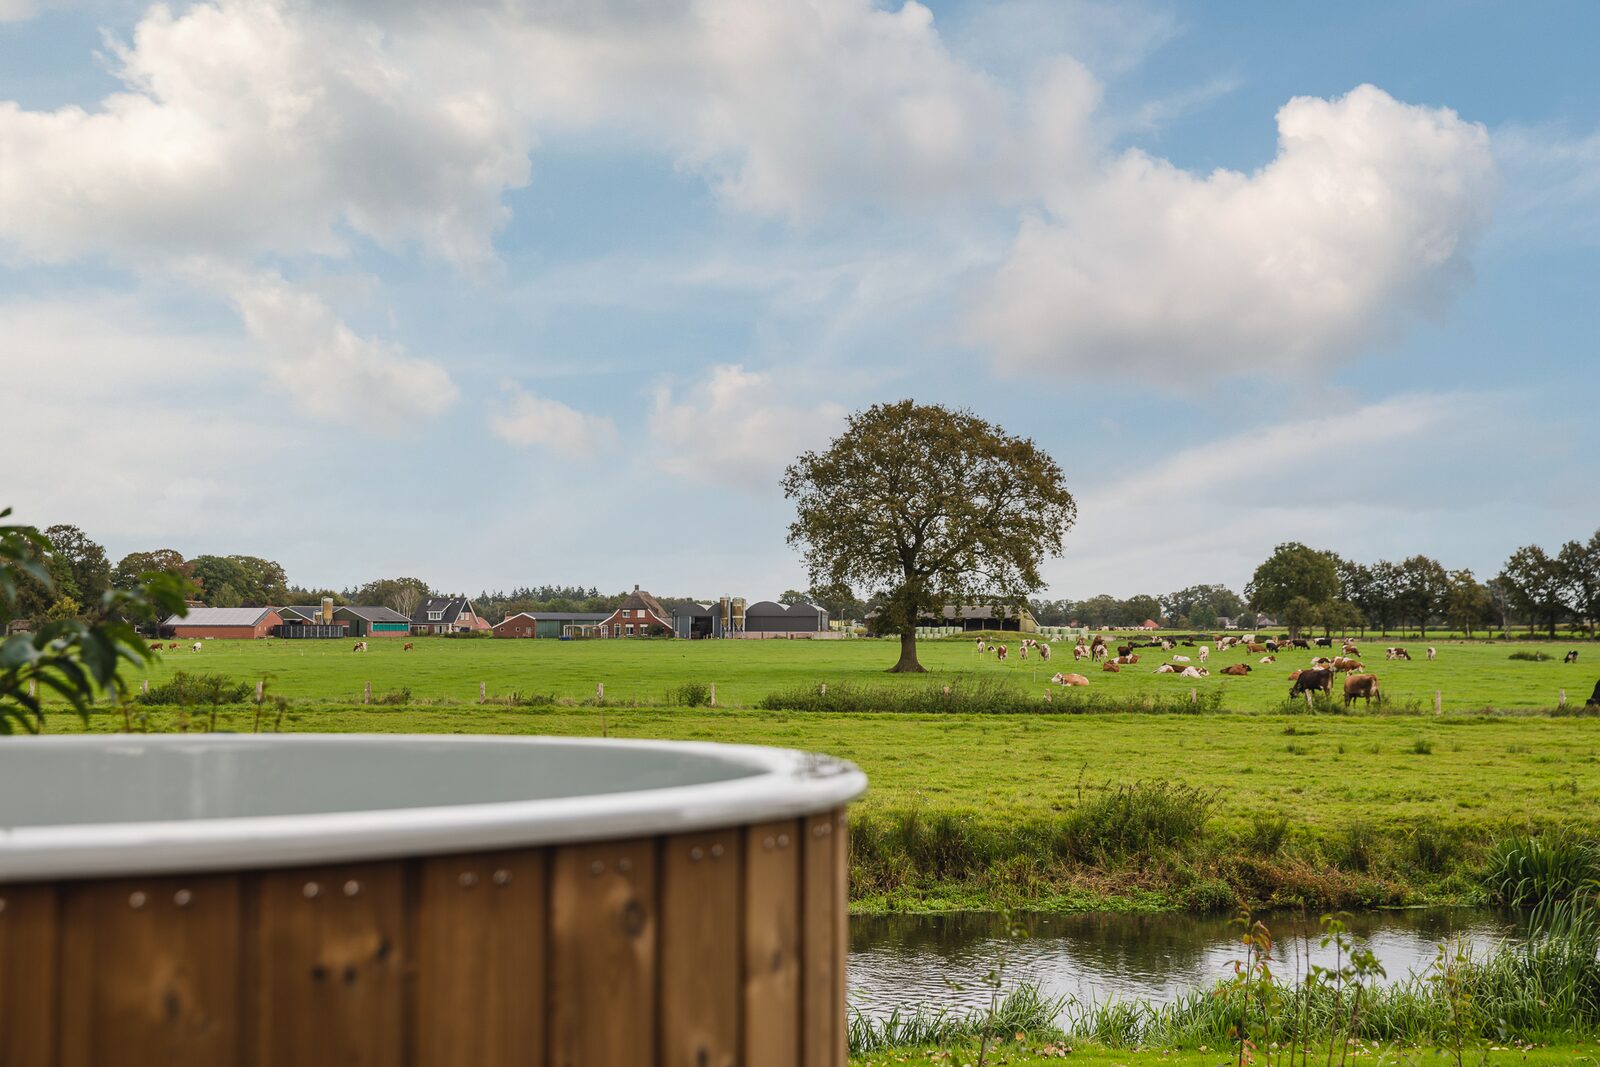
(529, 294)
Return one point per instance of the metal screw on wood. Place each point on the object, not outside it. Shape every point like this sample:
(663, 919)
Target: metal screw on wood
(502, 877)
(352, 887)
(310, 890)
(597, 868)
(768, 843)
(716, 852)
(783, 840)
(697, 854)
(624, 865)
(468, 879)
(2, 905)
(182, 898)
(136, 900)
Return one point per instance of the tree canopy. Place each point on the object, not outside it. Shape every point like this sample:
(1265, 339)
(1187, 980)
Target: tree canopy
(1294, 572)
(927, 507)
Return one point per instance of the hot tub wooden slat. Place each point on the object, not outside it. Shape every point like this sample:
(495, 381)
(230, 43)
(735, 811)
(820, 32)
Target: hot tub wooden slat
(603, 924)
(330, 965)
(149, 972)
(700, 958)
(481, 956)
(822, 993)
(29, 921)
(772, 945)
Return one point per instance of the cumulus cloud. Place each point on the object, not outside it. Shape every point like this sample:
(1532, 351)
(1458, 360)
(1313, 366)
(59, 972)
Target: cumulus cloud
(736, 428)
(1364, 220)
(533, 420)
(331, 372)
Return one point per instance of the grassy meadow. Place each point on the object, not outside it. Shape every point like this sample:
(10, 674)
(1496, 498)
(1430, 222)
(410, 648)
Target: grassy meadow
(1252, 799)
(1467, 675)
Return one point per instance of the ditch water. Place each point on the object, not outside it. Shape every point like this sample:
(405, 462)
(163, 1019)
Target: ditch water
(906, 960)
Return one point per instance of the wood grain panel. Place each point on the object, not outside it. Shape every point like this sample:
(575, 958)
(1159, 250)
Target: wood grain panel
(772, 945)
(603, 924)
(29, 921)
(330, 956)
(700, 949)
(480, 960)
(149, 972)
(822, 969)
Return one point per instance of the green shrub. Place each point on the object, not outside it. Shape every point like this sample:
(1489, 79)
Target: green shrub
(1533, 656)
(1431, 846)
(689, 695)
(394, 696)
(192, 690)
(983, 696)
(1525, 871)
(1267, 834)
(1136, 818)
(1422, 747)
(1354, 847)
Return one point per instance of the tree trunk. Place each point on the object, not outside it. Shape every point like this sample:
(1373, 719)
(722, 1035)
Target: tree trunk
(908, 655)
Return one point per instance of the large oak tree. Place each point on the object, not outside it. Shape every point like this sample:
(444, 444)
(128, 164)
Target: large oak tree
(925, 506)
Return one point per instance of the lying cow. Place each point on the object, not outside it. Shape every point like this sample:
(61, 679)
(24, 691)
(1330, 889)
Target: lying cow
(407, 648)
(1360, 686)
(1112, 667)
(1269, 659)
(1310, 681)
(361, 646)
(1070, 679)
(1194, 672)
(1254, 647)
(1180, 659)
(1239, 669)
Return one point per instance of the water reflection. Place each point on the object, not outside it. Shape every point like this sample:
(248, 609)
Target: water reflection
(905, 960)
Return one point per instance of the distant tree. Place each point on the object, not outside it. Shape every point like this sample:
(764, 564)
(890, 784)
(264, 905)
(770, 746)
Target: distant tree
(1200, 606)
(931, 507)
(67, 657)
(1339, 616)
(131, 569)
(400, 594)
(840, 602)
(64, 608)
(1137, 609)
(1356, 588)
(1383, 593)
(1579, 562)
(1424, 583)
(1299, 613)
(1101, 610)
(1538, 585)
(1467, 601)
(1503, 599)
(85, 560)
(791, 597)
(1293, 570)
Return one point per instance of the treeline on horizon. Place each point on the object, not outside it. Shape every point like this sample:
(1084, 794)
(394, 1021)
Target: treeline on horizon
(1299, 587)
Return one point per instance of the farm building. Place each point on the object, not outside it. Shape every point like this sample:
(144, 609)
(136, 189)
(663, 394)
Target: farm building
(224, 622)
(768, 617)
(550, 624)
(372, 620)
(973, 617)
(446, 615)
(641, 615)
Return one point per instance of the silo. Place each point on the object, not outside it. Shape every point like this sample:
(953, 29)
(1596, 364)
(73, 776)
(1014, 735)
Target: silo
(724, 618)
(738, 614)
(327, 611)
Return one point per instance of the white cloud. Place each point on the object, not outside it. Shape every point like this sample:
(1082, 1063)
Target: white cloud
(1552, 183)
(529, 419)
(1364, 220)
(737, 428)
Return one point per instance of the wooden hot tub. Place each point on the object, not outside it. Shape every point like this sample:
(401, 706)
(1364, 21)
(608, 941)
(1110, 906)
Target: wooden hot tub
(403, 901)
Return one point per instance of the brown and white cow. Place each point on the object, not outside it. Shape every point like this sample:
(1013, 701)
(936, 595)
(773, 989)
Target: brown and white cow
(1360, 687)
(1238, 669)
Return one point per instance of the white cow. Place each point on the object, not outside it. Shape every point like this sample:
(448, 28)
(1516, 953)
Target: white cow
(196, 647)
(1205, 653)
(1432, 652)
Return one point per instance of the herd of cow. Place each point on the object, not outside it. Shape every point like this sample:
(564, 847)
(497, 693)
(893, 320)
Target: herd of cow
(1358, 684)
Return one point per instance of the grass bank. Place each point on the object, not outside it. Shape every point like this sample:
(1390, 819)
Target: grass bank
(1113, 811)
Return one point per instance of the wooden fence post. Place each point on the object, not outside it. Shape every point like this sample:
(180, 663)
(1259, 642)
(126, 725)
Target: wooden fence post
(259, 686)
(483, 691)
(366, 694)
(33, 687)
(1438, 702)
(1191, 698)
(144, 687)
(600, 693)
(713, 694)
(1563, 701)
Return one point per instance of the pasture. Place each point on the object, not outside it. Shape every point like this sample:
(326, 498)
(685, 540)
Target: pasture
(1467, 675)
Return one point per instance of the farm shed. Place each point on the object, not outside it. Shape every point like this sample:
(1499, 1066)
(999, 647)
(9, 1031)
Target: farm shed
(972, 617)
(247, 623)
(641, 615)
(373, 620)
(549, 624)
(765, 616)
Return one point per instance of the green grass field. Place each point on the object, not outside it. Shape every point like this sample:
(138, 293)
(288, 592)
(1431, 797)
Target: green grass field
(977, 810)
(1041, 1054)
(1467, 675)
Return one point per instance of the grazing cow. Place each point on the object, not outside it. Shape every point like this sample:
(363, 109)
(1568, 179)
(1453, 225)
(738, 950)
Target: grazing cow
(361, 646)
(407, 648)
(1345, 663)
(1310, 681)
(196, 647)
(1432, 653)
(1079, 651)
(1350, 649)
(1396, 653)
(1097, 653)
(1070, 679)
(1324, 642)
(1022, 653)
(1594, 697)
(1000, 653)
(172, 645)
(1363, 686)
(1271, 646)
(1321, 661)
(1123, 650)
(1044, 652)
(982, 648)
(1570, 657)
(1166, 646)
(1205, 653)
(1269, 659)
(1254, 647)
(1112, 667)
(1301, 642)
(1240, 669)
(1180, 659)
(156, 647)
